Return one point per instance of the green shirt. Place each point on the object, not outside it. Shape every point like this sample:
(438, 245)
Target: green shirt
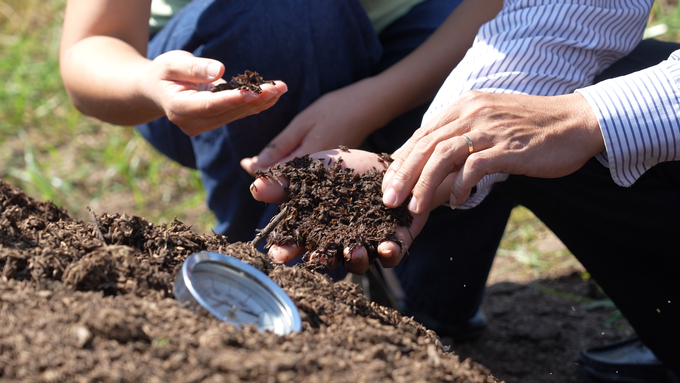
(381, 12)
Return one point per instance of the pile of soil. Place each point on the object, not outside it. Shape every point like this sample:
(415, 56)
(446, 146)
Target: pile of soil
(93, 301)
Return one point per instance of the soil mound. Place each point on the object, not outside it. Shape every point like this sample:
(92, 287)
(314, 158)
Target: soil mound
(93, 301)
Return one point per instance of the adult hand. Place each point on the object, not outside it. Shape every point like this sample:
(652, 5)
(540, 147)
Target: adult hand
(389, 253)
(179, 84)
(536, 136)
(343, 117)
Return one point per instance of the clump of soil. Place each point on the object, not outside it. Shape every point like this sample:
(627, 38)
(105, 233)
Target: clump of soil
(247, 81)
(330, 208)
(93, 301)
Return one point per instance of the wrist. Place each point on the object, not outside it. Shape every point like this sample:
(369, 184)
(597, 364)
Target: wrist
(582, 119)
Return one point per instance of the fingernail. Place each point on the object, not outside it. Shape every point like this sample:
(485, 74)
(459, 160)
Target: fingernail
(390, 197)
(383, 251)
(268, 95)
(388, 177)
(453, 201)
(213, 70)
(249, 96)
(264, 159)
(413, 204)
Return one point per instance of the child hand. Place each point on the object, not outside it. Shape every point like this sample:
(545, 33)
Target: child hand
(180, 84)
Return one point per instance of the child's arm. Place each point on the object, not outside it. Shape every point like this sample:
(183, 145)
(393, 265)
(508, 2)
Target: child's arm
(107, 75)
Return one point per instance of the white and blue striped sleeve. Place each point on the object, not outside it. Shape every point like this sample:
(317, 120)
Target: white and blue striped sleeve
(639, 116)
(543, 47)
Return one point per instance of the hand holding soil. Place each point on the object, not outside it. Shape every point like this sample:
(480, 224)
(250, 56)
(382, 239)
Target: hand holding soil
(175, 85)
(356, 219)
(324, 124)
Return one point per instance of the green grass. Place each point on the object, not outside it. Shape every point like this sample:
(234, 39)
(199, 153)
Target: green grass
(53, 152)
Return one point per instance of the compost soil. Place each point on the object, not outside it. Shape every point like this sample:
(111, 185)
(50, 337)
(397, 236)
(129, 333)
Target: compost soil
(330, 208)
(249, 80)
(93, 302)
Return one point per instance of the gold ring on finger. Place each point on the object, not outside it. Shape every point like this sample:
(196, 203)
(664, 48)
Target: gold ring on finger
(471, 148)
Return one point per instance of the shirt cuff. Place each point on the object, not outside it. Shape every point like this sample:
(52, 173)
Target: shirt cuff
(638, 120)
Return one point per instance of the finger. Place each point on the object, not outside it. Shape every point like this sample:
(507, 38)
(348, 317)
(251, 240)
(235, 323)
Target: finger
(447, 157)
(390, 253)
(284, 253)
(473, 170)
(283, 144)
(404, 178)
(183, 66)
(403, 153)
(269, 190)
(205, 111)
(356, 261)
(306, 149)
(329, 263)
(397, 159)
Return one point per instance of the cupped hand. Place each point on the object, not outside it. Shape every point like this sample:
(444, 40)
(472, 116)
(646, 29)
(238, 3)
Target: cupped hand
(179, 84)
(344, 117)
(537, 136)
(389, 253)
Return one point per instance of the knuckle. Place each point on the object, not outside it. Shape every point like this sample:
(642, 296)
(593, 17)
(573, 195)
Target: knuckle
(443, 148)
(195, 68)
(424, 145)
(475, 161)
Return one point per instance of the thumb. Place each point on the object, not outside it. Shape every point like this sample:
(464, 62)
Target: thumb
(280, 147)
(183, 66)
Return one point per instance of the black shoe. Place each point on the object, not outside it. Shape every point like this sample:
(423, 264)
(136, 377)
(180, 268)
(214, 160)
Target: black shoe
(627, 361)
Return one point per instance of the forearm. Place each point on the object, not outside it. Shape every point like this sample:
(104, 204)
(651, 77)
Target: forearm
(416, 79)
(104, 78)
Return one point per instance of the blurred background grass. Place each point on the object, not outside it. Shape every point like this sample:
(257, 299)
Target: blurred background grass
(52, 152)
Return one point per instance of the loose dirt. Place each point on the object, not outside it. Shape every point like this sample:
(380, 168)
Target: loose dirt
(249, 80)
(93, 301)
(330, 209)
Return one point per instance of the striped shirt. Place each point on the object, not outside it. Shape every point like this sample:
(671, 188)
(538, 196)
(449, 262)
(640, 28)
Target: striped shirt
(639, 115)
(547, 48)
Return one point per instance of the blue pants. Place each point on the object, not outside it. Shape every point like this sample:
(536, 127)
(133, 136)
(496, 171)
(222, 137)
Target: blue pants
(316, 47)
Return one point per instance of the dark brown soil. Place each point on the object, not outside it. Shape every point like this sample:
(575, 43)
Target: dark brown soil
(249, 80)
(536, 330)
(93, 302)
(330, 208)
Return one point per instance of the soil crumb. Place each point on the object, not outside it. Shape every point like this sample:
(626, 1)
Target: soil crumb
(93, 301)
(249, 80)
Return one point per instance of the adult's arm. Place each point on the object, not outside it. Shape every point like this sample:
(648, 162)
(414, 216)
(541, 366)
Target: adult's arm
(107, 75)
(545, 48)
(630, 123)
